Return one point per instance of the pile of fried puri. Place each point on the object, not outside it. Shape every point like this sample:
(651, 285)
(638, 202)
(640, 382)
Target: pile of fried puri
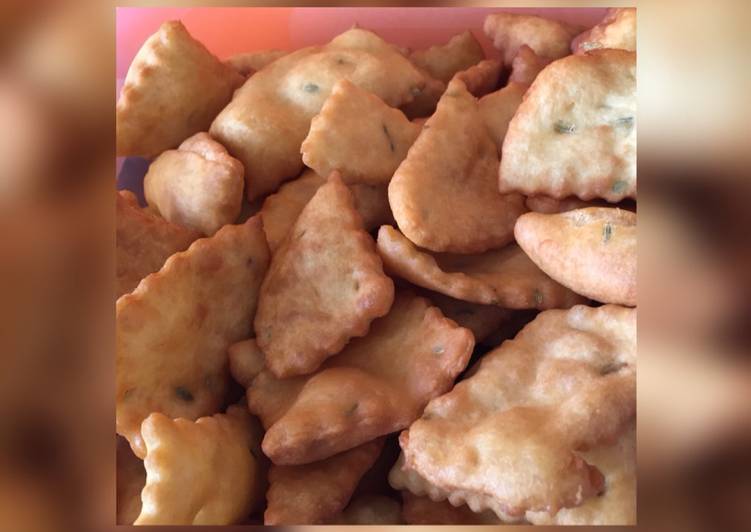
(375, 285)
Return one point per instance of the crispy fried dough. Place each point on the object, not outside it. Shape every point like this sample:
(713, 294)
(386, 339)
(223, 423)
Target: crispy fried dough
(586, 148)
(174, 88)
(371, 510)
(526, 66)
(592, 250)
(454, 159)
(442, 61)
(546, 37)
(246, 361)
(424, 511)
(616, 30)
(324, 286)
(314, 493)
(143, 242)
(548, 205)
(131, 478)
(280, 210)
(199, 472)
(617, 505)
(173, 331)
(482, 320)
(507, 437)
(505, 277)
(248, 63)
(377, 385)
(358, 135)
(409, 481)
(269, 117)
(497, 108)
(198, 185)
(426, 100)
(482, 78)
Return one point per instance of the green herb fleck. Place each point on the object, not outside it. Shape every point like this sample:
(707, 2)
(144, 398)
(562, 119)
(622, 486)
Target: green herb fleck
(184, 394)
(438, 350)
(564, 128)
(310, 87)
(388, 137)
(625, 122)
(351, 410)
(607, 232)
(128, 393)
(619, 187)
(538, 297)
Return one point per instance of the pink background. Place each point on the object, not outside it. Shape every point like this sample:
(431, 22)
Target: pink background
(228, 30)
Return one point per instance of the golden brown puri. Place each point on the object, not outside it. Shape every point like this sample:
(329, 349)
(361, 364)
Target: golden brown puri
(505, 277)
(575, 131)
(548, 205)
(616, 30)
(200, 472)
(377, 385)
(198, 185)
(370, 509)
(546, 37)
(280, 210)
(269, 117)
(482, 78)
(325, 285)
(454, 158)
(421, 510)
(174, 88)
(592, 250)
(509, 437)
(173, 331)
(617, 504)
(143, 242)
(498, 108)
(442, 61)
(359, 136)
(246, 360)
(314, 493)
(425, 100)
(248, 63)
(423, 493)
(425, 503)
(482, 320)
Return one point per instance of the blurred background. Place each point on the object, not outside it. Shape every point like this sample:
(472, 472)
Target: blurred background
(58, 75)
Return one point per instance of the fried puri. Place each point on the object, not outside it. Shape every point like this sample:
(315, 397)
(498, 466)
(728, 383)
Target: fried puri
(590, 250)
(509, 437)
(174, 88)
(505, 277)
(173, 331)
(575, 131)
(377, 385)
(325, 285)
(455, 159)
(269, 117)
